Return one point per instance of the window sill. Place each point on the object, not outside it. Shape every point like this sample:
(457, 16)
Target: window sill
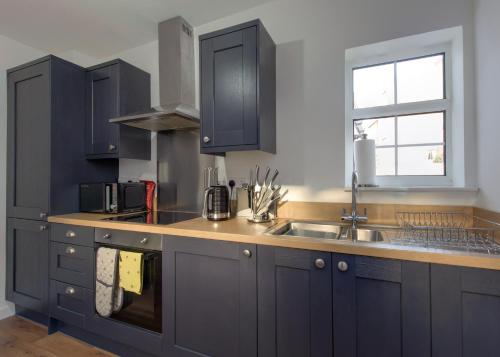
(415, 189)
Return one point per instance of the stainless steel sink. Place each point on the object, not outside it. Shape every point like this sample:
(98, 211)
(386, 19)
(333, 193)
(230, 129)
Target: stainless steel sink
(365, 233)
(307, 229)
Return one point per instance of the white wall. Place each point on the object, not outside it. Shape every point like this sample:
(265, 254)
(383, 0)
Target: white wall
(487, 14)
(12, 53)
(311, 38)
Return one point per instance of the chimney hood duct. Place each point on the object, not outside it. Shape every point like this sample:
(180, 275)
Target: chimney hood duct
(177, 85)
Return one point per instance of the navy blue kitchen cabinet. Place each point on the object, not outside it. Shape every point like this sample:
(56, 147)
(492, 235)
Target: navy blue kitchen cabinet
(45, 145)
(45, 163)
(114, 89)
(295, 303)
(465, 311)
(238, 89)
(211, 298)
(71, 271)
(381, 307)
(28, 264)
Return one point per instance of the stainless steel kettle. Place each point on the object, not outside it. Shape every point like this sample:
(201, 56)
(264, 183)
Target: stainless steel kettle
(216, 203)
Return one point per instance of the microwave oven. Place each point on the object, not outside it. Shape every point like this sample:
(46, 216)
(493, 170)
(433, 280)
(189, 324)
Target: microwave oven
(113, 197)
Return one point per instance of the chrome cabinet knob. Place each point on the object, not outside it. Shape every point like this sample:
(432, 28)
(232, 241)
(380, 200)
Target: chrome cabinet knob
(111, 147)
(107, 236)
(70, 234)
(144, 240)
(319, 263)
(43, 215)
(342, 266)
(43, 227)
(206, 139)
(70, 250)
(247, 253)
(69, 290)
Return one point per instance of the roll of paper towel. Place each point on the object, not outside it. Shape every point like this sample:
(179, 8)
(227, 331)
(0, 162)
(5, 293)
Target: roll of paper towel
(364, 161)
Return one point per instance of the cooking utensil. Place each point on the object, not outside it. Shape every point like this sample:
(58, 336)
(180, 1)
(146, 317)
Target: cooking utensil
(270, 202)
(267, 189)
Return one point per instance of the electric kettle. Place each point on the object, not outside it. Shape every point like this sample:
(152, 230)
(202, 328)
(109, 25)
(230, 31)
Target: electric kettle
(216, 203)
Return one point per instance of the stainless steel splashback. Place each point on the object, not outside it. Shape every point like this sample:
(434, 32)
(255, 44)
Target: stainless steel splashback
(180, 170)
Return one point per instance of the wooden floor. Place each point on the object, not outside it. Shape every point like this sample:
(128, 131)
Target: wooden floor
(20, 337)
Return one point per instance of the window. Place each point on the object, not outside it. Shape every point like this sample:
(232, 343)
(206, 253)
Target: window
(403, 100)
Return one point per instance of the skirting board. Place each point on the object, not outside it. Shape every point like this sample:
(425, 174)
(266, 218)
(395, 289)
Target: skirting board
(6, 310)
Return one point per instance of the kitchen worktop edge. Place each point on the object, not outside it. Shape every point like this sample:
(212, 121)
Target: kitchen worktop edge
(241, 231)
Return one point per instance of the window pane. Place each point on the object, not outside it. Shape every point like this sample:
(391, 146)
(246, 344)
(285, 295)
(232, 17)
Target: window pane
(373, 86)
(420, 79)
(380, 129)
(421, 160)
(421, 129)
(386, 161)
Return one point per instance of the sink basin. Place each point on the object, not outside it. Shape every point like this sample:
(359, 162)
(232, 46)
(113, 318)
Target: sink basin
(311, 230)
(338, 231)
(366, 235)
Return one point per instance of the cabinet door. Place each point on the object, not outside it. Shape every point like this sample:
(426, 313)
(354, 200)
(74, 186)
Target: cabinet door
(295, 302)
(465, 311)
(28, 264)
(28, 149)
(210, 298)
(70, 303)
(381, 307)
(229, 89)
(102, 92)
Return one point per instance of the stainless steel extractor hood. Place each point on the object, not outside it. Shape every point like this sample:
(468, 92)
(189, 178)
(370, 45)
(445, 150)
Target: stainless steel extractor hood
(177, 85)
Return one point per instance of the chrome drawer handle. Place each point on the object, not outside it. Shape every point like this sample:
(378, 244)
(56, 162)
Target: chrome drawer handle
(70, 234)
(43, 227)
(70, 250)
(69, 290)
(320, 263)
(144, 240)
(43, 215)
(206, 139)
(107, 236)
(111, 147)
(247, 253)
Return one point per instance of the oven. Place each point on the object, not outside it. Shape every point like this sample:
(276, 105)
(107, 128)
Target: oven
(143, 311)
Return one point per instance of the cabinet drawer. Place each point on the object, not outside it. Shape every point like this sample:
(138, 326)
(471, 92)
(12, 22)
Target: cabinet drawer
(70, 303)
(72, 264)
(73, 234)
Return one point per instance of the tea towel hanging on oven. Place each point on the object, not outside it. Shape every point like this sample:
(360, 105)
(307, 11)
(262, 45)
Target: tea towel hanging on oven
(108, 296)
(131, 269)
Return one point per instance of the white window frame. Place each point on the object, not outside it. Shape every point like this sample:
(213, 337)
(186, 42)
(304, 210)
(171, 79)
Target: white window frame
(448, 42)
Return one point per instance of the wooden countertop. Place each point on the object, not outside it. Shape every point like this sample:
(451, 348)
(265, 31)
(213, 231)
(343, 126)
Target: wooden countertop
(239, 230)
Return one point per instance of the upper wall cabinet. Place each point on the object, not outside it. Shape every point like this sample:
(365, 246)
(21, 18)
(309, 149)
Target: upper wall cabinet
(114, 89)
(238, 89)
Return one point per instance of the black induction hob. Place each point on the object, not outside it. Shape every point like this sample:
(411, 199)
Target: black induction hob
(156, 217)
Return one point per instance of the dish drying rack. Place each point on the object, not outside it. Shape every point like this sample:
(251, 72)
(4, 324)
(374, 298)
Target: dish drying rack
(446, 230)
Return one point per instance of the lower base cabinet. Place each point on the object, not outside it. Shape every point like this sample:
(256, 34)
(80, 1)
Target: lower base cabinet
(465, 312)
(295, 302)
(28, 264)
(381, 307)
(211, 298)
(70, 303)
(229, 299)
